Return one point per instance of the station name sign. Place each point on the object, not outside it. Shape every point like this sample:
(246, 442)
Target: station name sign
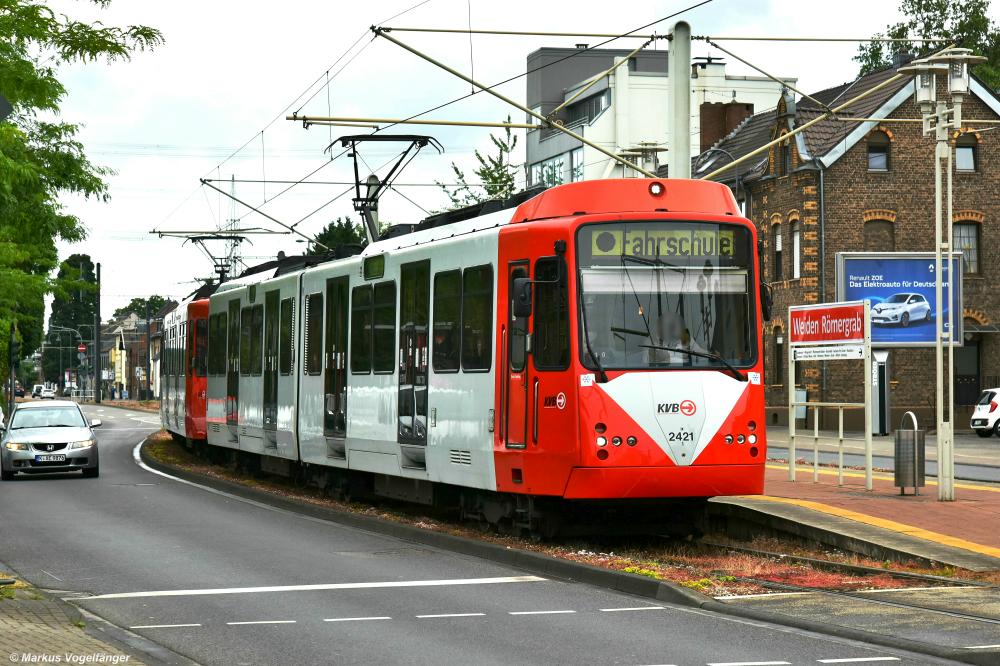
(836, 323)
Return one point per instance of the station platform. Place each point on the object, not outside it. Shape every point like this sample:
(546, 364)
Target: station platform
(879, 523)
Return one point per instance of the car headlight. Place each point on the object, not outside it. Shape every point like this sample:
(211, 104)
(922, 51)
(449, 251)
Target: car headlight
(82, 444)
(17, 446)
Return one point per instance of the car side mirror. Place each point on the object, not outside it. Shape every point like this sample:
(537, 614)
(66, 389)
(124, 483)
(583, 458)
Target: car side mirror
(96, 423)
(522, 297)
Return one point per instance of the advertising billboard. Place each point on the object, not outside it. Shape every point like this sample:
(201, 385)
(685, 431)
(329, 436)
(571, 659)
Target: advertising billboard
(900, 287)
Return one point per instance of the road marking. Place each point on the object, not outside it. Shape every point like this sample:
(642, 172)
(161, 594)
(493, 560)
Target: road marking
(424, 617)
(551, 612)
(982, 647)
(262, 622)
(635, 608)
(856, 660)
(322, 586)
(162, 626)
(750, 663)
(53, 575)
(356, 619)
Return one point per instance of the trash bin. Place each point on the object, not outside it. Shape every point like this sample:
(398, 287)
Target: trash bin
(909, 456)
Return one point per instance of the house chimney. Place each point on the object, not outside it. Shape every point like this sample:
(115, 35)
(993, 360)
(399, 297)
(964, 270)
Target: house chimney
(901, 58)
(719, 119)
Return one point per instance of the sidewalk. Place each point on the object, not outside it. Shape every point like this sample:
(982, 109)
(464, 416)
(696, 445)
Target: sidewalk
(34, 626)
(964, 533)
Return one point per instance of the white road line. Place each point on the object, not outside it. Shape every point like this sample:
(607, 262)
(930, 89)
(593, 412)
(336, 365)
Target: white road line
(856, 660)
(162, 626)
(981, 647)
(425, 617)
(356, 619)
(551, 612)
(262, 622)
(922, 589)
(322, 586)
(636, 608)
(750, 663)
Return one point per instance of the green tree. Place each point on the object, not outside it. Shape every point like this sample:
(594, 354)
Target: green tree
(138, 307)
(74, 305)
(965, 23)
(338, 232)
(495, 172)
(41, 158)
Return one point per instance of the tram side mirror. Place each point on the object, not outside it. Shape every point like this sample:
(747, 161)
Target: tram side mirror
(522, 297)
(766, 301)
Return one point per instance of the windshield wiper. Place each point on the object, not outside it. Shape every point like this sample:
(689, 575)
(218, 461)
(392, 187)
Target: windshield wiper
(737, 374)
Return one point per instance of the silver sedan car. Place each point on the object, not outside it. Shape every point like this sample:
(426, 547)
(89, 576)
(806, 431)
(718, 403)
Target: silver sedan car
(44, 437)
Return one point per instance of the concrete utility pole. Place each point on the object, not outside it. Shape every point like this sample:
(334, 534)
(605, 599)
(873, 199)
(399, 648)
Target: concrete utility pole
(679, 75)
(149, 395)
(97, 340)
(938, 121)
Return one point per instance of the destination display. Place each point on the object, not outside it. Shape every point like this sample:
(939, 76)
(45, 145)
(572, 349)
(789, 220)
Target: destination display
(654, 243)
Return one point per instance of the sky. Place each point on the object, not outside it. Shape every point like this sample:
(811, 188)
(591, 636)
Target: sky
(211, 102)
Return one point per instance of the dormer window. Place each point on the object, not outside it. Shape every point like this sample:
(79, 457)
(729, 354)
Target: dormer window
(878, 152)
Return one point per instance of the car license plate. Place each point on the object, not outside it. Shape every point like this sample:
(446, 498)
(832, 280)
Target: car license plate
(52, 457)
(978, 422)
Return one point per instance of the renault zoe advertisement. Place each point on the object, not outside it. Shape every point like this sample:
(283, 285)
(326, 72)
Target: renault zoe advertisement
(901, 289)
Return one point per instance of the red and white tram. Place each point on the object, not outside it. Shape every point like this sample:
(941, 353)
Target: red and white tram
(599, 342)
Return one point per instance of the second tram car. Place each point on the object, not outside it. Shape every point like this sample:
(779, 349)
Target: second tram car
(602, 341)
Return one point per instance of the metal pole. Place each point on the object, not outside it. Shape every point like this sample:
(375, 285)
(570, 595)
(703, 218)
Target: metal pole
(381, 33)
(791, 405)
(949, 462)
(10, 378)
(840, 446)
(148, 361)
(364, 122)
(815, 445)
(679, 78)
(868, 395)
(942, 436)
(97, 340)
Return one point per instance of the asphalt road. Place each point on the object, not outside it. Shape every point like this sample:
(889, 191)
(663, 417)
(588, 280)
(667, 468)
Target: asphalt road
(234, 574)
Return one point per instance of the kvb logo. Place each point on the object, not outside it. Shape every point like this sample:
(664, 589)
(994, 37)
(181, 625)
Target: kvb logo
(687, 408)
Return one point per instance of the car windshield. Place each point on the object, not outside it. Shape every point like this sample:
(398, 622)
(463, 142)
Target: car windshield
(666, 294)
(897, 298)
(47, 417)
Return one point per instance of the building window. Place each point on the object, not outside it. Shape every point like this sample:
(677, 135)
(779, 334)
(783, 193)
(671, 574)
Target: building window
(879, 236)
(967, 241)
(778, 359)
(878, 152)
(576, 165)
(776, 244)
(587, 110)
(535, 177)
(967, 153)
(796, 252)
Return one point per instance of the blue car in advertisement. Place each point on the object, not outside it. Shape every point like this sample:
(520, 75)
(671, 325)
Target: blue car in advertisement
(901, 289)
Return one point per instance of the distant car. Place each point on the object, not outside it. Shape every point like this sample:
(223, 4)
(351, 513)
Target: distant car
(901, 309)
(18, 391)
(36, 390)
(48, 437)
(47, 394)
(986, 417)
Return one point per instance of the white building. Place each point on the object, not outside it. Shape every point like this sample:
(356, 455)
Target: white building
(628, 110)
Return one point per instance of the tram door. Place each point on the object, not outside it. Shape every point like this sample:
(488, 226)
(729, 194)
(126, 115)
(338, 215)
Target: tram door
(271, 323)
(516, 404)
(233, 365)
(335, 375)
(414, 311)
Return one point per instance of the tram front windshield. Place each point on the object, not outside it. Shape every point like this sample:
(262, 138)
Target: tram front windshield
(666, 295)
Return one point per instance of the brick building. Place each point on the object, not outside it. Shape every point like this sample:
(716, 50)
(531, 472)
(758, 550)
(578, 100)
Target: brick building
(843, 185)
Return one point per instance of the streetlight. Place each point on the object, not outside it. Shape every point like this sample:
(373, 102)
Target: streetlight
(938, 119)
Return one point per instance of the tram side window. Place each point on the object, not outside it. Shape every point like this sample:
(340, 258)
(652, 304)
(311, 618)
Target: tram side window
(447, 321)
(245, 327)
(218, 350)
(213, 327)
(287, 326)
(256, 340)
(361, 329)
(477, 318)
(314, 333)
(384, 330)
(182, 350)
(550, 342)
(199, 358)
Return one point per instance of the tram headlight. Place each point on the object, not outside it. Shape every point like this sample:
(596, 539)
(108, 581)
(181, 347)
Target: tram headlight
(616, 440)
(729, 439)
(656, 188)
(632, 441)
(602, 441)
(741, 439)
(752, 439)
(751, 426)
